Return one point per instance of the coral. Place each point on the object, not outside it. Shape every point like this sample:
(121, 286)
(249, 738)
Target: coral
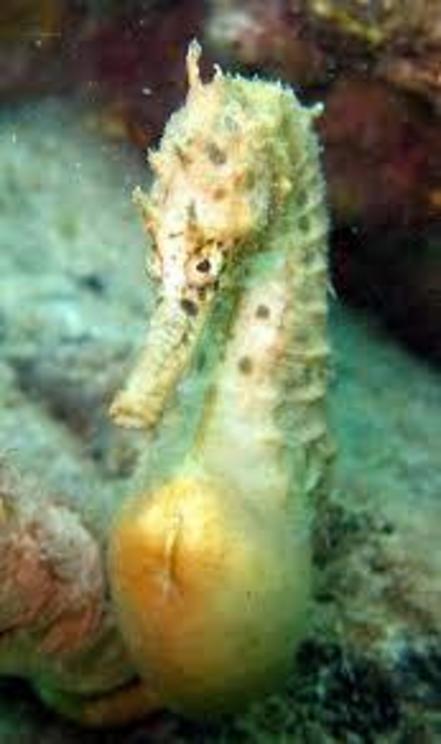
(266, 35)
(380, 21)
(31, 19)
(403, 38)
(133, 59)
(382, 157)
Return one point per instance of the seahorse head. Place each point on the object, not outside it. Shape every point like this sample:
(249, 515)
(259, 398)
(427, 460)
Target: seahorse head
(221, 173)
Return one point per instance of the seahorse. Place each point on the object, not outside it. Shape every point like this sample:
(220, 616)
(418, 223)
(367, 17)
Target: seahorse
(210, 563)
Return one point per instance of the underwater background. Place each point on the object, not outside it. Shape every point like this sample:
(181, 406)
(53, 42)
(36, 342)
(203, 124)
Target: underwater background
(86, 86)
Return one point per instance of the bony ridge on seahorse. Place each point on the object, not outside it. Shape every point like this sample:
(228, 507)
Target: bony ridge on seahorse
(210, 563)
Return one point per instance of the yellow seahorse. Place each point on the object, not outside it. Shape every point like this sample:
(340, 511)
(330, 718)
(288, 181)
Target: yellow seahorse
(210, 564)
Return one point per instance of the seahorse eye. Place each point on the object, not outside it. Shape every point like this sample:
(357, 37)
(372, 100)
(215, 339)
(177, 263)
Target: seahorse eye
(203, 266)
(202, 271)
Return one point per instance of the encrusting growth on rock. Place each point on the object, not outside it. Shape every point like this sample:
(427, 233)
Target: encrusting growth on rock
(57, 628)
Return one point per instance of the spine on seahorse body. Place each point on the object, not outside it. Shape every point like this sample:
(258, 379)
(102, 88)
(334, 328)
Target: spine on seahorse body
(304, 373)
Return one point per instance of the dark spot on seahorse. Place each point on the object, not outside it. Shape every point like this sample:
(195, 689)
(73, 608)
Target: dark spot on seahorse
(202, 292)
(245, 365)
(191, 211)
(201, 361)
(189, 307)
(302, 198)
(216, 155)
(262, 311)
(183, 156)
(219, 193)
(240, 179)
(203, 266)
(250, 179)
(303, 223)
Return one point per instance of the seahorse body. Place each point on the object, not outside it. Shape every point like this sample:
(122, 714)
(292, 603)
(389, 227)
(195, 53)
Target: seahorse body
(210, 563)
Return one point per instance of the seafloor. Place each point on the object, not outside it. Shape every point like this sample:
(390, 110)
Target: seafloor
(73, 303)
